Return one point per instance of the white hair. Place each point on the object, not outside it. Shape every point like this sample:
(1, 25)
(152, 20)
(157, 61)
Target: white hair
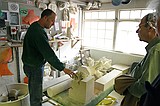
(155, 4)
(151, 20)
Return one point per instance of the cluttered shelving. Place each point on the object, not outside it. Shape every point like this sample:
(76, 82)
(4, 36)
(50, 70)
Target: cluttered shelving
(63, 38)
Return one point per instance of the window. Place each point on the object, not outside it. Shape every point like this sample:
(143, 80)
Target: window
(127, 39)
(100, 28)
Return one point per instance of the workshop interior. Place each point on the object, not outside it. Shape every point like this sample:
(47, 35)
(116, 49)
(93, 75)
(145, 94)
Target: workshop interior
(96, 39)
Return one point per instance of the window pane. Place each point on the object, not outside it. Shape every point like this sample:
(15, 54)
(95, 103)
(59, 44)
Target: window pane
(111, 15)
(127, 39)
(136, 14)
(124, 14)
(86, 42)
(144, 12)
(88, 15)
(100, 42)
(87, 33)
(101, 25)
(101, 34)
(108, 44)
(87, 25)
(109, 34)
(93, 41)
(94, 25)
(99, 30)
(93, 33)
(110, 25)
(94, 15)
(102, 15)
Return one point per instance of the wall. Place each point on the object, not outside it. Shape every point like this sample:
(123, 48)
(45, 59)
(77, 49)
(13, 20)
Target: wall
(64, 53)
(13, 65)
(11, 78)
(116, 57)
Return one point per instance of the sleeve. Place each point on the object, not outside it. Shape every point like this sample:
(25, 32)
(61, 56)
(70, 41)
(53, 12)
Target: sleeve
(150, 70)
(47, 52)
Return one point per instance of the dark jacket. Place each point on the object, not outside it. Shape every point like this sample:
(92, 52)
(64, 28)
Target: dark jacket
(36, 49)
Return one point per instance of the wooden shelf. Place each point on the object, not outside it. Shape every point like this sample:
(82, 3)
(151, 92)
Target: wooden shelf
(11, 44)
(74, 41)
(59, 40)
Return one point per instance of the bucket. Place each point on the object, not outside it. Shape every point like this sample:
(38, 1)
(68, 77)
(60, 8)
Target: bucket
(19, 94)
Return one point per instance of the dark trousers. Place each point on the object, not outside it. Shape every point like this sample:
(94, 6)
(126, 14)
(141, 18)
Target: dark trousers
(35, 77)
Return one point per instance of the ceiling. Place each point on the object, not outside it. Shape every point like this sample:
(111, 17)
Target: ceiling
(86, 1)
(82, 1)
(102, 1)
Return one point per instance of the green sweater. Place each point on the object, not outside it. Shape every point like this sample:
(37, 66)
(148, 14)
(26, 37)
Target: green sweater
(36, 49)
(147, 69)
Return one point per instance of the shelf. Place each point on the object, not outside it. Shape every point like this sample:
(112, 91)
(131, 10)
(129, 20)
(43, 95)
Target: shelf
(59, 40)
(74, 41)
(10, 44)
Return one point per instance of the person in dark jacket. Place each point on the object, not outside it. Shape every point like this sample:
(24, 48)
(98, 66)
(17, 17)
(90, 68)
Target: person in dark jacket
(36, 52)
(151, 97)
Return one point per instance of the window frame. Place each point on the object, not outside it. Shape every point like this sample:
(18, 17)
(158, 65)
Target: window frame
(97, 20)
(116, 21)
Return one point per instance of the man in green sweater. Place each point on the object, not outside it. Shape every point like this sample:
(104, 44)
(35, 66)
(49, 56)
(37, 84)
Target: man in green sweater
(36, 52)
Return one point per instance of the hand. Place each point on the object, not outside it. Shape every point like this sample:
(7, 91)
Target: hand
(69, 72)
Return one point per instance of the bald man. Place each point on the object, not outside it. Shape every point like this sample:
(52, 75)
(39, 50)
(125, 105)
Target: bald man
(36, 52)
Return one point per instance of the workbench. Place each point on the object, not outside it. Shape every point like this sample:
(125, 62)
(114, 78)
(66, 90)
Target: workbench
(63, 98)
